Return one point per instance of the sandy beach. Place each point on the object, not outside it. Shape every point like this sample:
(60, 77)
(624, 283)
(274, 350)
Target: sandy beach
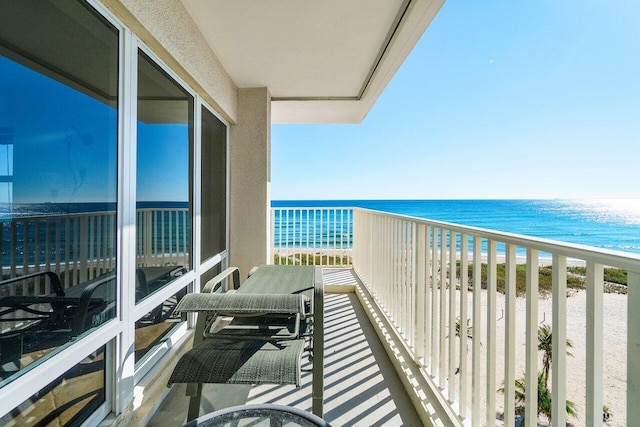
(615, 338)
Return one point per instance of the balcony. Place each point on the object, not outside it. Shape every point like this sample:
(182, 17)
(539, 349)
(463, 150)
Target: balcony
(457, 313)
(414, 270)
(361, 386)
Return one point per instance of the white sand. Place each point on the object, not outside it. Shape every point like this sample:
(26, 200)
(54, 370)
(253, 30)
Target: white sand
(615, 338)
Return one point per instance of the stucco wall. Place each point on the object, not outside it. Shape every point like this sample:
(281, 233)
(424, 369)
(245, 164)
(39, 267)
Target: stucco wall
(166, 27)
(250, 181)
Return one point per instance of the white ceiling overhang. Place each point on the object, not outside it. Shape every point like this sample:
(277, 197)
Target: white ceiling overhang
(323, 61)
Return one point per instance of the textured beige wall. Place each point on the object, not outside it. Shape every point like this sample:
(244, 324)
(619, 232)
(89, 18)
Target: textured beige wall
(166, 27)
(250, 180)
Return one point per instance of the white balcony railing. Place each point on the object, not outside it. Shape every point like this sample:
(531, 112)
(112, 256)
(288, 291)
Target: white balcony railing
(79, 247)
(163, 237)
(315, 236)
(418, 270)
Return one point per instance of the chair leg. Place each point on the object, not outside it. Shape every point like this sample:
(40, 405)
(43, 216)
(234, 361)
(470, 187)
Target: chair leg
(194, 401)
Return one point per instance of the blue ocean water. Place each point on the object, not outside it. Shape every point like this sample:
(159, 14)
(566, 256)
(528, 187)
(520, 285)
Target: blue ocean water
(608, 223)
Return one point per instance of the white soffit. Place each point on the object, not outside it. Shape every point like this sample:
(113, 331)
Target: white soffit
(323, 61)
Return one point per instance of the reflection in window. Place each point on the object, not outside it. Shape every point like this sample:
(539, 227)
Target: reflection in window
(214, 185)
(164, 152)
(157, 325)
(58, 130)
(68, 400)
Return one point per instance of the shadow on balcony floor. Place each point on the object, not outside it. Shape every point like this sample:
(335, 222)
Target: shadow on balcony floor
(361, 386)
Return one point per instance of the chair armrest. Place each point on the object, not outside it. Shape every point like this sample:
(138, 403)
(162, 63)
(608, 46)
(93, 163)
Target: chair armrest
(210, 286)
(82, 310)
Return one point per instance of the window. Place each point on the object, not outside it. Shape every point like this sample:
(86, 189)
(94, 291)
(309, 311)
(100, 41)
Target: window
(153, 329)
(59, 184)
(58, 160)
(164, 202)
(68, 400)
(164, 197)
(214, 185)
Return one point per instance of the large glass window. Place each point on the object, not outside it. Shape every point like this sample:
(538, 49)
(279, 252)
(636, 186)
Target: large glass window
(164, 153)
(214, 185)
(164, 197)
(58, 159)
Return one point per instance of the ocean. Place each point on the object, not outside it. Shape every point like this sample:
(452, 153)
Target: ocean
(605, 223)
(608, 224)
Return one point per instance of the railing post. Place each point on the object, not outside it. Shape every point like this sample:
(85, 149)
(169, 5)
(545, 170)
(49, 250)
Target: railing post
(452, 314)
(531, 363)
(420, 283)
(47, 253)
(36, 245)
(99, 255)
(84, 249)
(57, 239)
(491, 331)
(464, 291)
(433, 365)
(92, 252)
(443, 302)
(510, 336)
(427, 296)
(559, 338)
(477, 290)
(12, 257)
(163, 251)
(169, 250)
(595, 274)
(25, 250)
(633, 348)
(272, 237)
(187, 226)
(67, 236)
(148, 236)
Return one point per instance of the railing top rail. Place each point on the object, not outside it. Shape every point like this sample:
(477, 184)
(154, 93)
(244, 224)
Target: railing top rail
(312, 208)
(619, 259)
(56, 215)
(78, 214)
(161, 209)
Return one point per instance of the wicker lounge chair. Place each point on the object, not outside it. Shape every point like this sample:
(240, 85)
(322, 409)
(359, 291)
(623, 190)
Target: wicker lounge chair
(247, 336)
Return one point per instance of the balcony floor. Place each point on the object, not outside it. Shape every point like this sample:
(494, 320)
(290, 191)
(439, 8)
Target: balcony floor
(361, 385)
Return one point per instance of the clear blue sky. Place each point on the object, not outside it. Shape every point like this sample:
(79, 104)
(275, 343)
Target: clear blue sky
(499, 99)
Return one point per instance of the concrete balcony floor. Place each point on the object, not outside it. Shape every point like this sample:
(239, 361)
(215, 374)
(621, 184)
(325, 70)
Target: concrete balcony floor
(361, 385)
